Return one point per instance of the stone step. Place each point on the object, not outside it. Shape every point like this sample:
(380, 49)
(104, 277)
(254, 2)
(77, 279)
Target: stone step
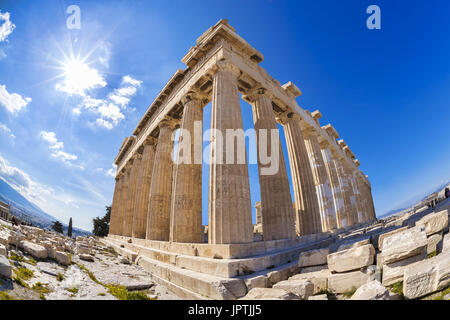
(226, 268)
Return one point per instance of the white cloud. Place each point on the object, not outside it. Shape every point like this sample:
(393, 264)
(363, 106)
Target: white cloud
(4, 129)
(22, 183)
(110, 108)
(111, 172)
(57, 147)
(76, 111)
(6, 26)
(130, 80)
(122, 101)
(12, 102)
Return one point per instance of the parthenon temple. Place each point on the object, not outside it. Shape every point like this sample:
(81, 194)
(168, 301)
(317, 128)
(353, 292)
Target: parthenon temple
(157, 204)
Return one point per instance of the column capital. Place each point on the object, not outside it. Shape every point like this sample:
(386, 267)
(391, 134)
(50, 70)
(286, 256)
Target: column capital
(286, 116)
(149, 141)
(255, 92)
(168, 121)
(194, 94)
(226, 65)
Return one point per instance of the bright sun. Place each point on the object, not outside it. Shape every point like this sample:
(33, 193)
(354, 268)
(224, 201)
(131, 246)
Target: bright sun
(80, 77)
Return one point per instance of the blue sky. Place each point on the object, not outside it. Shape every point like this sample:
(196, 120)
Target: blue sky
(385, 91)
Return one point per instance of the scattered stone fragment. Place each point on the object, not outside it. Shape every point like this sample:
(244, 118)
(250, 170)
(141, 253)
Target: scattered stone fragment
(313, 257)
(351, 259)
(303, 288)
(434, 222)
(342, 282)
(5, 267)
(86, 257)
(403, 245)
(372, 290)
(62, 258)
(35, 250)
(319, 297)
(269, 294)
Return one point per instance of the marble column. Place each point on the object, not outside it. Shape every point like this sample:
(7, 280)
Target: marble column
(347, 191)
(186, 213)
(338, 199)
(114, 208)
(131, 197)
(230, 212)
(123, 199)
(278, 217)
(321, 181)
(306, 205)
(371, 206)
(357, 196)
(143, 189)
(258, 212)
(363, 197)
(160, 198)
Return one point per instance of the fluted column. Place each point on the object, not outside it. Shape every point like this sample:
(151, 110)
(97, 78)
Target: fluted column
(363, 197)
(278, 217)
(114, 208)
(143, 189)
(346, 191)
(158, 217)
(186, 213)
(131, 196)
(358, 197)
(371, 206)
(230, 214)
(306, 204)
(123, 199)
(321, 181)
(338, 199)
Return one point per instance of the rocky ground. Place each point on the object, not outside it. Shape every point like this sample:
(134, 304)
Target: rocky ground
(68, 269)
(406, 256)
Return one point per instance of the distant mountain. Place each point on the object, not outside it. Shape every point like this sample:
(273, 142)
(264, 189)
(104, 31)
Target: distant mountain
(415, 200)
(29, 212)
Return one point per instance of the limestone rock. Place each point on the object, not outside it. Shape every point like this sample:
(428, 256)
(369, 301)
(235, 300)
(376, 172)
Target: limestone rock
(318, 278)
(86, 257)
(313, 257)
(385, 235)
(372, 290)
(313, 268)
(433, 242)
(351, 245)
(434, 222)
(5, 267)
(351, 259)
(3, 250)
(446, 243)
(269, 294)
(257, 282)
(302, 288)
(35, 250)
(319, 297)
(342, 282)
(62, 258)
(403, 245)
(427, 276)
(393, 272)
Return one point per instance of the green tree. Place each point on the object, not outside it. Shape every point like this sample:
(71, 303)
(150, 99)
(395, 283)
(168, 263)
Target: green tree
(57, 227)
(101, 225)
(69, 229)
